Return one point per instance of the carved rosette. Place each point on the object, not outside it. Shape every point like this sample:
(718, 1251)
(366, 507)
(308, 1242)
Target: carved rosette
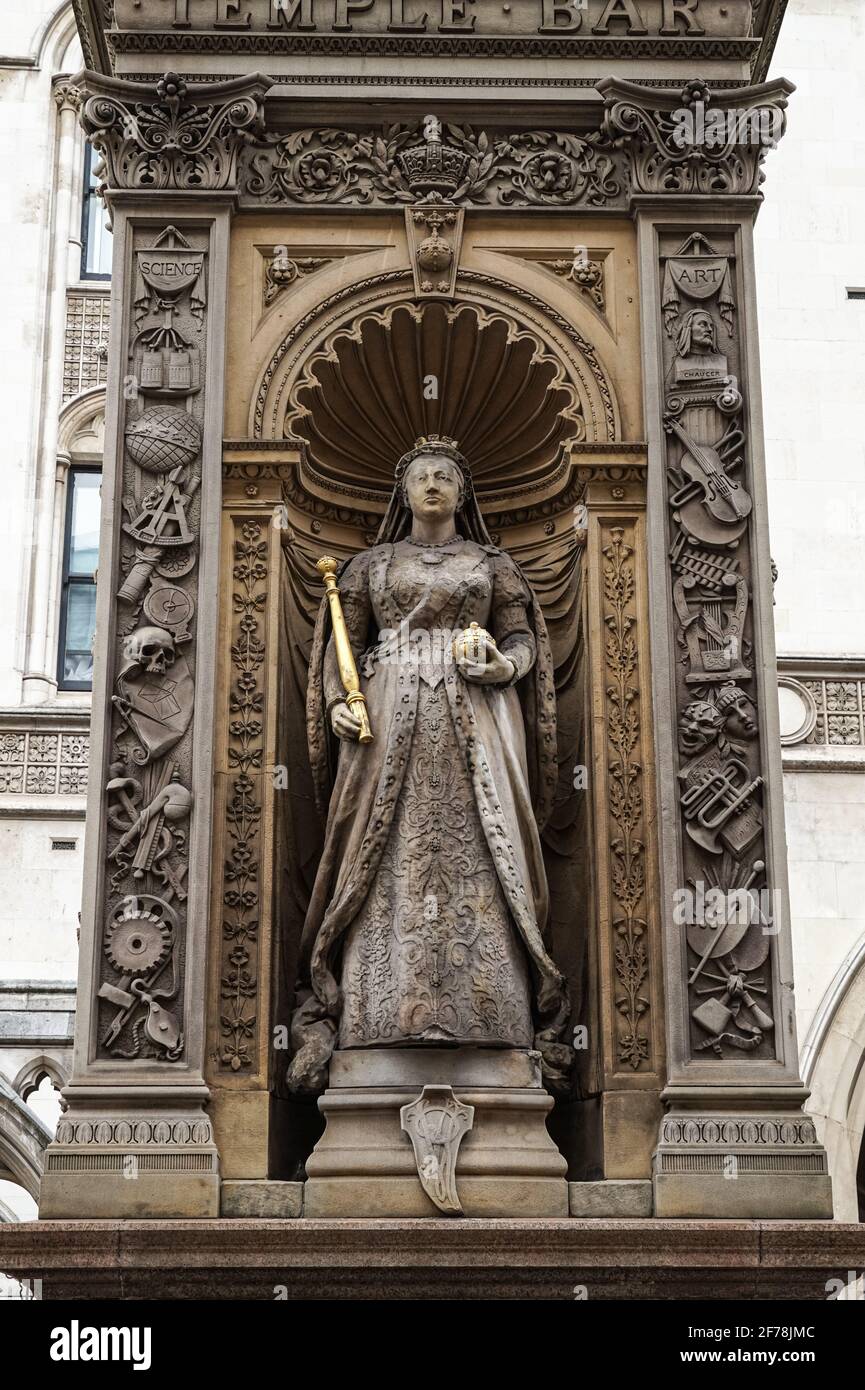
(695, 141)
(171, 137)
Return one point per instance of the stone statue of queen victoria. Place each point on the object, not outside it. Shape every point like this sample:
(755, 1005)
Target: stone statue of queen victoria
(426, 925)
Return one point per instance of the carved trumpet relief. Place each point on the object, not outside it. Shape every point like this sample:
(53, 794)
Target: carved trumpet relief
(723, 913)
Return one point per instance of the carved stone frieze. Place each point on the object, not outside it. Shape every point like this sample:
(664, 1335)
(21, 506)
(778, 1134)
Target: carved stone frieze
(133, 1147)
(34, 762)
(171, 136)
(405, 164)
(263, 45)
(694, 140)
(211, 136)
(739, 1146)
(85, 346)
(124, 1133)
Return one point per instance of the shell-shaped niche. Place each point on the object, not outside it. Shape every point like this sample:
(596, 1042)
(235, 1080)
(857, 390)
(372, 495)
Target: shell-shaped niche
(379, 383)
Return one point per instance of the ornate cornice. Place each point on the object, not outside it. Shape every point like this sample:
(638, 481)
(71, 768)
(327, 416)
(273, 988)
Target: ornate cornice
(693, 140)
(171, 137)
(208, 137)
(93, 17)
(477, 46)
(768, 15)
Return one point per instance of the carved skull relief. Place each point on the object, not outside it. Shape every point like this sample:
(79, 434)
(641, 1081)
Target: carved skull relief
(151, 647)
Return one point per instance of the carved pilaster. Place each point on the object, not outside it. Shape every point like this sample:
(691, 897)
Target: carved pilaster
(239, 1038)
(140, 1040)
(731, 1036)
(627, 949)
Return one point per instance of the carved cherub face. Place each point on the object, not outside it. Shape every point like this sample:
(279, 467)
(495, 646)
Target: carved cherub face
(433, 487)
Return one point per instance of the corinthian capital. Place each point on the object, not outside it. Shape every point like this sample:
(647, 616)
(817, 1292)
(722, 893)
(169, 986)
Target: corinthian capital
(694, 140)
(171, 136)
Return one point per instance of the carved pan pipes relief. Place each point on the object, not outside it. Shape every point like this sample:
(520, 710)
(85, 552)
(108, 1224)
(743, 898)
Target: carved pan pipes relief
(726, 917)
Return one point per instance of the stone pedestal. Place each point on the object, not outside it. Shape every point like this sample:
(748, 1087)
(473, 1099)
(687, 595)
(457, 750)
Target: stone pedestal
(550, 1260)
(364, 1164)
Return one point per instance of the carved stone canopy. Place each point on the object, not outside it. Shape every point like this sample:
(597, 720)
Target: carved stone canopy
(377, 384)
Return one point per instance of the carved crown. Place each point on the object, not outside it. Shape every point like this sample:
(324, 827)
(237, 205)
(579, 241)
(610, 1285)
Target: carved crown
(433, 167)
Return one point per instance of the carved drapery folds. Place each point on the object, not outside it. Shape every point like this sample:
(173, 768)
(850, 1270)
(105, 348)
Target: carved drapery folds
(693, 140)
(171, 137)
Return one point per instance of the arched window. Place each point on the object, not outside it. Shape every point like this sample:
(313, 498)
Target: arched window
(78, 600)
(95, 235)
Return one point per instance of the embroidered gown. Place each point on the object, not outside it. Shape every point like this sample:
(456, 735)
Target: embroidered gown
(430, 902)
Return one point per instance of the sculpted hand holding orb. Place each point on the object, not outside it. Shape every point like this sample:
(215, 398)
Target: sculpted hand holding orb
(428, 915)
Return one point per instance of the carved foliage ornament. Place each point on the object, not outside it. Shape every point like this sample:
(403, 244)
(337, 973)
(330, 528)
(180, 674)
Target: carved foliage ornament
(171, 136)
(212, 136)
(695, 141)
(241, 898)
(625, 798)
(405, 164)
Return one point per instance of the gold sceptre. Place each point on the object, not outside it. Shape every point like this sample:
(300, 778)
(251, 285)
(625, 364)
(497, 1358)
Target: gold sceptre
(327, 568)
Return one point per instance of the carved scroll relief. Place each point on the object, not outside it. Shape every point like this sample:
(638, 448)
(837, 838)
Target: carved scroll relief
(148, 793)
(722, 909)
